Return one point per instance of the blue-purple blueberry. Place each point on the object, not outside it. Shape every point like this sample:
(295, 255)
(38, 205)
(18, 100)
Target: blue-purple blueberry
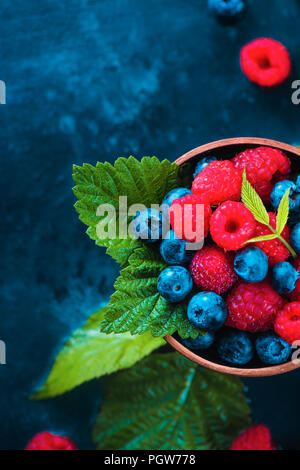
(227, 11)
(207, 311)
(295, 238)
(272, 349)
(174, 251)
(201, 342)
(176, 193)
(279, 191)
(204, 162)
(236, 348)
(147, 225)
(174, 283)
(284, 277)
(251, 264)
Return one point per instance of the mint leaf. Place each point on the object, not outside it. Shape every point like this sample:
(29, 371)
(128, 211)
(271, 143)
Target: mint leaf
(263, 238)
(144, 182)
(253, 202)
(283, 212)
(137, 306)
(166, 402)
(89, 354)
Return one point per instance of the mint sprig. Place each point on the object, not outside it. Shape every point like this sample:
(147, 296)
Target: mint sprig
(255, 205)
(283, 212)
(253, 202)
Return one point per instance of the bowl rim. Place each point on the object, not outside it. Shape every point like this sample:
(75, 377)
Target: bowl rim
(180, 348)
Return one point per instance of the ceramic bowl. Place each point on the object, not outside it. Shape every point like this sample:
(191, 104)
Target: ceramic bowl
(227, 149)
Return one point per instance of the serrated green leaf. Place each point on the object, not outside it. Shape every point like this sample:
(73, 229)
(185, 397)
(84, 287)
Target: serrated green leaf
(137, 306)
(283, 212)
(168, 403)
(263, 238)
(253, 202)
(90, 354)
(143, 182)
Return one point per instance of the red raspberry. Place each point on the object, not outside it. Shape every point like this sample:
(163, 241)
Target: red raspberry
(283, 162)
(218, 182)
(185, 220)
(264, 166)
(254, 438)
(212, 270)
(231, 225)
(295, 294)
(287, 323)
(265, 62)
(274, 249)
(48, 441)
(253, 306)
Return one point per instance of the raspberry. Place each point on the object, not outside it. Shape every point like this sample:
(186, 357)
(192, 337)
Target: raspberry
(287, 323)
(218, 182)
(295, 294)
(231, 225)
(255, 438)
(264, 166)
(185, 221)
(283, 162)
(48, 441)
(265, 62)
(274, 249)
(212, 270)
(253, 306)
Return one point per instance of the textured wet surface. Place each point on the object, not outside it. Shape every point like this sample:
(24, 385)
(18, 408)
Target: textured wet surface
(86, 81)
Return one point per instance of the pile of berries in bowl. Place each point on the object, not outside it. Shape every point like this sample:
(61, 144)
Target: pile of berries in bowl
(242, 285)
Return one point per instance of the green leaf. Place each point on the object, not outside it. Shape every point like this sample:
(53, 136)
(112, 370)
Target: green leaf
(89, 354)
(253, 202)
(143, 182)
(263, 238)
(168, 403)
(283, 212)
(137, 306)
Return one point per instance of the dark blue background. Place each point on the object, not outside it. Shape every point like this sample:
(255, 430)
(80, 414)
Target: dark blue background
(92, 80)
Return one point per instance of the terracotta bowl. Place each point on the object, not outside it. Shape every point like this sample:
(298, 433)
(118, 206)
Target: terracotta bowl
(226, 149)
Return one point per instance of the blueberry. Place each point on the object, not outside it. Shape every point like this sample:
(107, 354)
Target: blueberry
(251, 264)
(294, 217)
(227, 10)
(272, 349)
(207, 311)
(147, 225)
(173, 250)
(236, 348)
(284, 277)
(202, 164)
(201, 342)
(174, 283)
(176, 193)
(279, 191)
(298, 183)
(295, 238)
